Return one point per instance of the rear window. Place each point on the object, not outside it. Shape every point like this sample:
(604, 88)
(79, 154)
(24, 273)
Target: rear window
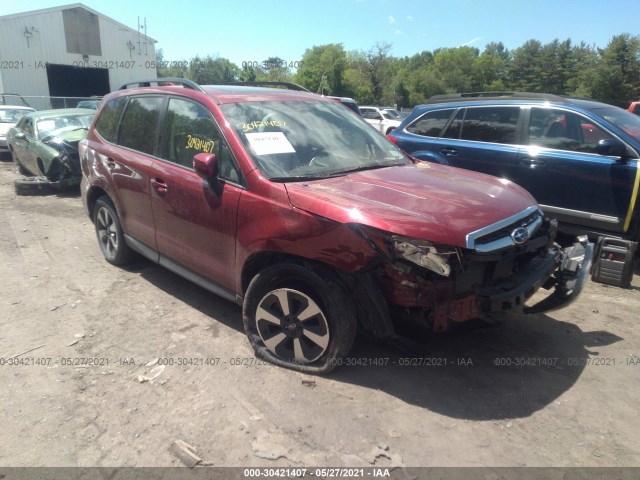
(138, 129)
(431, 123)
(107, 123)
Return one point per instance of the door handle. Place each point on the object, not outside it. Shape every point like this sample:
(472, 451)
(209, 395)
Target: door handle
(111, 163)
(449, 152)
(159, 186)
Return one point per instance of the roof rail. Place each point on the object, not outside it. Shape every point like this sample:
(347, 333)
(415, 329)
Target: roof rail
(287, 85)
(167, 80)
(3, 100)
(472, 96)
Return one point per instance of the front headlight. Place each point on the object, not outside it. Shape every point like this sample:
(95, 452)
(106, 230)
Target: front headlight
(423, 253)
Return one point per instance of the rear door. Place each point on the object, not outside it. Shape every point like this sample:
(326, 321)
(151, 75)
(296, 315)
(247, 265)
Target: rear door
(484, 139)
(561, 167)
(130, 161)
(195, 227)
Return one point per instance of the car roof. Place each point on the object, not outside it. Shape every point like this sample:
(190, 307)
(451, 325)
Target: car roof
(456, 101)
(16, 107)
(233, 92)
(60, 112)
(512, 98)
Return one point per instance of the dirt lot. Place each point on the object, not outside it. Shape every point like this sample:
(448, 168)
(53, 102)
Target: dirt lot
(543, 390)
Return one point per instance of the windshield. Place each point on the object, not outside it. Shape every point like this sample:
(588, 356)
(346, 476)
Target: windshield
(391, 114)
(57, 125)
(294, 140)
(628, 122)
(12, 115)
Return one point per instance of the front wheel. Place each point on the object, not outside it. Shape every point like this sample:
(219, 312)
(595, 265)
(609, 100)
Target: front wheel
(109, 233)
(299, 318)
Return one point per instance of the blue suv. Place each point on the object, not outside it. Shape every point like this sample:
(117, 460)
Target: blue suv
(578, 157)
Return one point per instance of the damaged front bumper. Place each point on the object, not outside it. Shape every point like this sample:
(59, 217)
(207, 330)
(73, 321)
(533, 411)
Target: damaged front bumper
(569, 278)
(44, 181)
(565, 271)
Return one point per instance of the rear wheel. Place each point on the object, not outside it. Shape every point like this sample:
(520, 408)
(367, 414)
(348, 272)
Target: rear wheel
(109, 233)
(299, 317)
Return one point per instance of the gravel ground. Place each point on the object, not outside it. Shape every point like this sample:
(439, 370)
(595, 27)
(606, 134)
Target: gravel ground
(88, 390)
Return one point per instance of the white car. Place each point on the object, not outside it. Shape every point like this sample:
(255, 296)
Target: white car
(9, 115)
(384, 119)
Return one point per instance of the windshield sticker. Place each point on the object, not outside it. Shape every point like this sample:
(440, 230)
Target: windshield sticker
(269, 143)
(197, 143)
(248, 127)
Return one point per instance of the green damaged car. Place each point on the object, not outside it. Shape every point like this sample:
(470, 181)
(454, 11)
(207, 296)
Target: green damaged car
(44, 144)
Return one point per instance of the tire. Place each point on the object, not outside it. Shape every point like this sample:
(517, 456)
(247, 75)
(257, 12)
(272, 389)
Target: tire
(314, 344)
(19, 167)
(32, 186)
(109, 233)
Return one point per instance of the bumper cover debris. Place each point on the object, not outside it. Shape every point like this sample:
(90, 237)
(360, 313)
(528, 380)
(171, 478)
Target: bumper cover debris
(569, 279)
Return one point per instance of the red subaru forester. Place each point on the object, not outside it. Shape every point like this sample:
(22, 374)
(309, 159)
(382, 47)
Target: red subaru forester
(292, 206)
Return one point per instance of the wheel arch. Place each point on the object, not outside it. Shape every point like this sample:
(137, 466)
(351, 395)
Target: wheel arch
(93, 194)
(371, 307)
(260, 260)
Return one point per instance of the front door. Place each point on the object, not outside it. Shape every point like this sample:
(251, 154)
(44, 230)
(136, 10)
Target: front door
(572, 182)
(195, 226)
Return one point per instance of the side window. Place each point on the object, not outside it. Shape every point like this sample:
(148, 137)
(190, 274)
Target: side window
(139, 123)
(562, 130)
(431, 123)
(486, 124)
(27, 127)
(190, 129)
(107, 123)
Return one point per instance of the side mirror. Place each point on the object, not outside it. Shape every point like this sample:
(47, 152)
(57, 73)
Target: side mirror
(20, 136)
(611, 147)
(206, 167)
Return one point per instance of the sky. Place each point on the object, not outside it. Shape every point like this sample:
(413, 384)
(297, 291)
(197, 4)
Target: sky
(253, 30)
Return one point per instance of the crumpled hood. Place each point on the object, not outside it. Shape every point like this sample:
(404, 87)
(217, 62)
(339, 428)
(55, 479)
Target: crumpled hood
(65, 139)
(426, 200)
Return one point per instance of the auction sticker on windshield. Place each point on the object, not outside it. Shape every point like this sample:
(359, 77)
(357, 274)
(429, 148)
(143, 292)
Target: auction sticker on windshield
(269, 143)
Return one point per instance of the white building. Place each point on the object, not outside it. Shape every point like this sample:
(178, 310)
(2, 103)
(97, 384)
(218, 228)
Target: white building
(70, 51)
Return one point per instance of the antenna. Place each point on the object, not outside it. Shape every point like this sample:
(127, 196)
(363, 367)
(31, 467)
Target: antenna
(139, 49)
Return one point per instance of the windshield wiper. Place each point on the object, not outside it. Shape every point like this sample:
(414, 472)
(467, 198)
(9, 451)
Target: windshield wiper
(337, 173)
(297, 178)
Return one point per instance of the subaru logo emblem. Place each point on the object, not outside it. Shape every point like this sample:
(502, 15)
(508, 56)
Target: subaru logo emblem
(520, 235)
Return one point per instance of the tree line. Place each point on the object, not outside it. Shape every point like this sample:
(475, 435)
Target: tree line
(610, 74)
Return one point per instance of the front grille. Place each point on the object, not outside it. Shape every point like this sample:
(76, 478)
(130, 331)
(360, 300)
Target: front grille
(498, 236)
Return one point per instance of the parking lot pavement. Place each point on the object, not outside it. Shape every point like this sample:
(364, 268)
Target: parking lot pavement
(109, 367)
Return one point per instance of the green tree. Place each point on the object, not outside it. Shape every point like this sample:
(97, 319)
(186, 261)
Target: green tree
(356, 81)
(617, 79)
(274, 69)
(378, 70)
(169, 69)
(525, 69)
(323, 61)
(209, 70)
(490, 69)
(454, 66)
